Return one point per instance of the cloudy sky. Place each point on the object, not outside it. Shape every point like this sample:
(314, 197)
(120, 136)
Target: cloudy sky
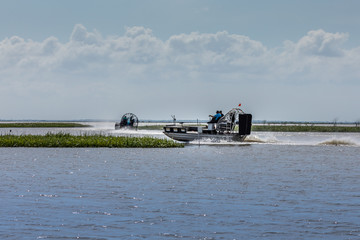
(85, 59)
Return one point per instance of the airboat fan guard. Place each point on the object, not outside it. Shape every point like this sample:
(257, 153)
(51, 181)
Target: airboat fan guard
(228, 122)
(128, 120)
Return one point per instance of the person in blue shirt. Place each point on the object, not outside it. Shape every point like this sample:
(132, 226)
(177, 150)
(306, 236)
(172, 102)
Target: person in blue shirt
(216, 117)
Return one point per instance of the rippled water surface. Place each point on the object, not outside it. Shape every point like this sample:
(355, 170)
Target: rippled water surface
(280, 189)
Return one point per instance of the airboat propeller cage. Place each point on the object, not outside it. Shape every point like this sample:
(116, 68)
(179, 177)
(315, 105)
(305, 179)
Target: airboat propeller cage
(128, 120)
(235, 116)
(245, 124)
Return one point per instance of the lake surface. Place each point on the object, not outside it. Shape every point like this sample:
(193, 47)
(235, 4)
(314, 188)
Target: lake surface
(276, 186)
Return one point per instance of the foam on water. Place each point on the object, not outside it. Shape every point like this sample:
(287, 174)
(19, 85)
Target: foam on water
(311, 139)
(299, 139)
(254, 139)
(209, 141)
(337, 142)
(138, 132)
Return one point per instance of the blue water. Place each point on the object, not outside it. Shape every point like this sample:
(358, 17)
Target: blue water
(250, 191)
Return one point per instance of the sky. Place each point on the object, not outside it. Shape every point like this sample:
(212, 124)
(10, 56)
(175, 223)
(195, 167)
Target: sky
(85, 59)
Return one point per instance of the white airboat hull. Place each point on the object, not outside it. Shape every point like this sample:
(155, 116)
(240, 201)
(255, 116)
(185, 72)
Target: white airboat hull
(188, 137)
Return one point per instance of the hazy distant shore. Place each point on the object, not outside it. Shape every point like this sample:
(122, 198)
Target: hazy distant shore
(42, 125)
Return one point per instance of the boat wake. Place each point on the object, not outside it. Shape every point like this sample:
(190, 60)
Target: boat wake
(132, 132)
(310, 139)
(293, 139)
(338, 142)
(217, 142)
(254, 139)
(274, 138)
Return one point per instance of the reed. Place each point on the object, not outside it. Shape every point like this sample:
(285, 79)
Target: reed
(65, 140)
(42, 125)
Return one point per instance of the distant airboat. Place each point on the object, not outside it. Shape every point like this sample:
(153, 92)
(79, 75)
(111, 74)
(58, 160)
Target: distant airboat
(128, 120)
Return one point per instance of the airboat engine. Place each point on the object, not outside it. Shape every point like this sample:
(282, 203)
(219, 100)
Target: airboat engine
(245, 124)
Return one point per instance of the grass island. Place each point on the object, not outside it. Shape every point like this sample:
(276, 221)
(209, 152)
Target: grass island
(65, 140)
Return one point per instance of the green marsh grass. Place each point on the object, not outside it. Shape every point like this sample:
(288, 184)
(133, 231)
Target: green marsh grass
(65, 140)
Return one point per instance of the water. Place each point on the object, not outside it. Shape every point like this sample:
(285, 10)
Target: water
(276, 186)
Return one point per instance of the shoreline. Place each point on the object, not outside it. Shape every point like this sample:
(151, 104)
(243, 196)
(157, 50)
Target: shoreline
(43, 125)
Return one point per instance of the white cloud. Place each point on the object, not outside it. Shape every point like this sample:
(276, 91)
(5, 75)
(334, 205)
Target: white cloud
(134, 32)
(322, 43)
(121, 71)
(81, 35)
(209, 52)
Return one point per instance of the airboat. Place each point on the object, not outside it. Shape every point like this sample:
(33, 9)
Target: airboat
(233, 126)
(128, 120)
